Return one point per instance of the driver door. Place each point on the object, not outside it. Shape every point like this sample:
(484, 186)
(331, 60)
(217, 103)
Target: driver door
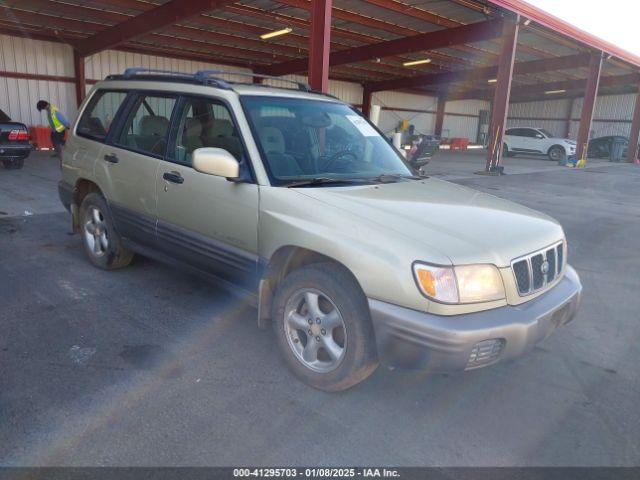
(207, 221)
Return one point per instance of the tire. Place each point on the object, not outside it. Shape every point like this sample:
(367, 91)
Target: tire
(15, 164)
(506, 152)
(332, 289)
(101, 242)
(556, 153)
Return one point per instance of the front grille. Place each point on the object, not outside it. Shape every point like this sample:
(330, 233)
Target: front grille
(536, 270)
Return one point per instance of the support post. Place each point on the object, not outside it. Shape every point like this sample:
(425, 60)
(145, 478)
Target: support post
(319, 45)
(440, 116)
(366, 101)
(588, 106)
(632, 152)
(502, 93)
(80, 79)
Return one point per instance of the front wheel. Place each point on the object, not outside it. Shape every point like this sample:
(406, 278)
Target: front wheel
(102, 243)
(556, 153)
(323, 327)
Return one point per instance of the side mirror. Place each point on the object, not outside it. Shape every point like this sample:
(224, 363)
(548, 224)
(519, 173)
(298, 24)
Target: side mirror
(216, 161)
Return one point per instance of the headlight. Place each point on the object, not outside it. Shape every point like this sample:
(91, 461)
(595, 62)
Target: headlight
(464, 284)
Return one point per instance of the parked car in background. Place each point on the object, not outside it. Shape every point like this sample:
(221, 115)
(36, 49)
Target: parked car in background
(606, 147)
(15, 143)
(295, 198)
(537, 141)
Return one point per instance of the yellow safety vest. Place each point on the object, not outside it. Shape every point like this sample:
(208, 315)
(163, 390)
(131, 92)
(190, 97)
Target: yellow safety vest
(57, 125)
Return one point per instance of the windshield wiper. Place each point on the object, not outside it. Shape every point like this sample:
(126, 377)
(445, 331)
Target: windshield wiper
(391, 178)
(326, 181)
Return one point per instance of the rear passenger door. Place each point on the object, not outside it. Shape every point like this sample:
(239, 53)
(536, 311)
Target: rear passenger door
(204, 220)
(126, 168)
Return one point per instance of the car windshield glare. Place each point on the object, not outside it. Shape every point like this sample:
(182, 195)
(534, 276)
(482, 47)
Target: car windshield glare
(302, 139)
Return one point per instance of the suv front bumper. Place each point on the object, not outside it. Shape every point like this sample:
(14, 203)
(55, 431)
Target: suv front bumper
(411, 339)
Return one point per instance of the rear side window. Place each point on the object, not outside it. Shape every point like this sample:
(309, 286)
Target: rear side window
(99, 114)
(146, 128)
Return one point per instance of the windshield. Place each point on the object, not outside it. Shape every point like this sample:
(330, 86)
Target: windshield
(303, 139)
(545, 133)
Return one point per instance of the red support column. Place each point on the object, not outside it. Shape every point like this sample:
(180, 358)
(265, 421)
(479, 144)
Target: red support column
(440, 116)
(502, 93)
(319, 46)
(635, 132)
(366, 101)
(80, 80)
(588, 105)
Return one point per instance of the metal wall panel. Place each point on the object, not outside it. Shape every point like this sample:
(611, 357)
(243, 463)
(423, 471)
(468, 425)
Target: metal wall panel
(18, 97)
(547, 109)
(465, 124)
(399, 106)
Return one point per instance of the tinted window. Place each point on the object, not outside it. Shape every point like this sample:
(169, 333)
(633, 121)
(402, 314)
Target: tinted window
(205, 123)
(97, 117)
(515, 132)
(147, 126)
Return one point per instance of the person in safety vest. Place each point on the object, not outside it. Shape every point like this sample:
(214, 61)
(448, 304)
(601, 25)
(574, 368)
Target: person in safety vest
(58, 123)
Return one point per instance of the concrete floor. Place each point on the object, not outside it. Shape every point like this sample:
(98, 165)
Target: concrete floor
(150, 366)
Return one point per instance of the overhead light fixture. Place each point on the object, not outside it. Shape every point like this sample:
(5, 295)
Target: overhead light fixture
(527, 22)
(416, 62)
(492, 80)
(551, 92)
(276, 33)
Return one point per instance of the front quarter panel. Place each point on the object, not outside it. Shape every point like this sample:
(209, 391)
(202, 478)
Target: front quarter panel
(380, 260)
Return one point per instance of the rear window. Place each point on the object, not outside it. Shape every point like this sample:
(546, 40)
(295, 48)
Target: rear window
(99, 114)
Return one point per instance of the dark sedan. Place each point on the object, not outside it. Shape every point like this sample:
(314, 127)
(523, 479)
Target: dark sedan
(14, 142)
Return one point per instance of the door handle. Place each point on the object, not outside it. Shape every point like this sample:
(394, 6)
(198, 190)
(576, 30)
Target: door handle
(111, 158)
(173, 177)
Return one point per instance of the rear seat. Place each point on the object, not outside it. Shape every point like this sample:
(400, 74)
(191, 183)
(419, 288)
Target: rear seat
(152, 136)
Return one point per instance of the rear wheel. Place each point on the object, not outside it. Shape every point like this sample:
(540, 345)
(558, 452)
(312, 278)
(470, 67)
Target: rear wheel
(15, 164)
(323, 327)
(556, 153)
(506, 152)
(101, 243)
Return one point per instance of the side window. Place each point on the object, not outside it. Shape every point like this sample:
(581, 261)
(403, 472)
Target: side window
(532, 133)
(101, 111)
(147, 126)
(512, 132)
(205, 123)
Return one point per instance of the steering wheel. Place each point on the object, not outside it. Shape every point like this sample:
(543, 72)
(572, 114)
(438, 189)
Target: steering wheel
(336, 156)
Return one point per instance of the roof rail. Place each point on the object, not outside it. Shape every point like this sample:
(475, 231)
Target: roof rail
(132, 72)
(207, 75)
(204, 77)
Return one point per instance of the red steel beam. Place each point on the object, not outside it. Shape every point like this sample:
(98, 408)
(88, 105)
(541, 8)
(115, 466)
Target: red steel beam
(366, 101)
(160, 17)
(588, 105)
(319, 45)
(483, 73)
(440, 115)
(474, 32)
(502, 93)
(80, 79)
(634, 137)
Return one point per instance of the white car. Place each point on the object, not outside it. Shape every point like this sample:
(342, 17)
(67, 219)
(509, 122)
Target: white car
(537, 141)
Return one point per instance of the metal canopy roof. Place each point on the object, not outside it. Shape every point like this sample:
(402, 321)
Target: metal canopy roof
(551, 53)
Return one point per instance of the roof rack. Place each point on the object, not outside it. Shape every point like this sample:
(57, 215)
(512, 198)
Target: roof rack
(204, 77)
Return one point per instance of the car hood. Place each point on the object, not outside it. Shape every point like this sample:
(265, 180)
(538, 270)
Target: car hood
(466, 225)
